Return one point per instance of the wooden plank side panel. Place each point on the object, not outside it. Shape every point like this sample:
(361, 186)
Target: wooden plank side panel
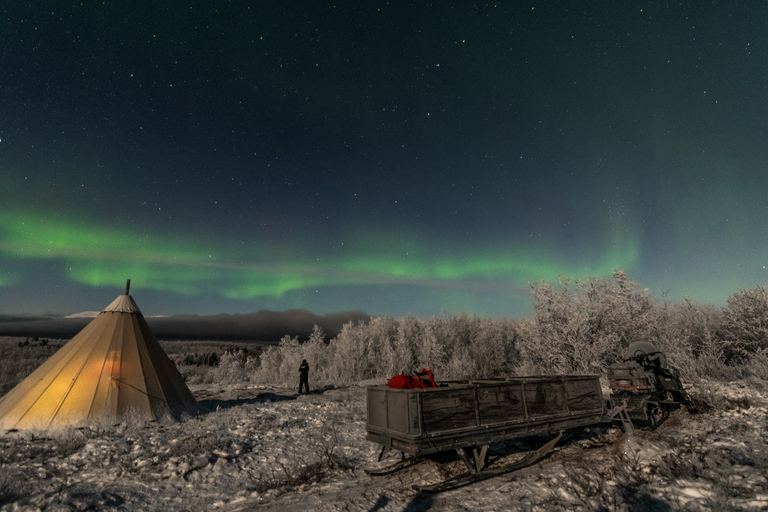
(490, 434)
(468, 413)
(544, 398)
(448, 409)
(377, 407)
(397, 411)
(583, 394)
(414, 413)
(498, 404)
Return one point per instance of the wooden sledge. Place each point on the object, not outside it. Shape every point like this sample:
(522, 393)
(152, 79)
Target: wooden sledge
(470, 415)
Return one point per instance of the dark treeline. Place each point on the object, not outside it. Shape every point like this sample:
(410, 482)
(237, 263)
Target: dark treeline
(576, 327)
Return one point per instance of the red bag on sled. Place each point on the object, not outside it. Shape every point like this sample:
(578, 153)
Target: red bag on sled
(423, 379)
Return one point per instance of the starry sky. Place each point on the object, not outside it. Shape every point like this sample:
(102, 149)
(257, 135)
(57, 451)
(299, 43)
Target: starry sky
(389, 157)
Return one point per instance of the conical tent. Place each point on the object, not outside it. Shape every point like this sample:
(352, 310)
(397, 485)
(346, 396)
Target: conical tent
(112, 368)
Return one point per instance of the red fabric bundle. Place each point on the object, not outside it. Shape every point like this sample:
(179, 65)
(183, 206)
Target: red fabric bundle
(423, 379)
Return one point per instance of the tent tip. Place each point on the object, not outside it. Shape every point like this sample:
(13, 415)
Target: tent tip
(127, 287)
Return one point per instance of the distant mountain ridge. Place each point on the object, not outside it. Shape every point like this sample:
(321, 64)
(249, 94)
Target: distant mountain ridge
(84, 314)
(264, 325)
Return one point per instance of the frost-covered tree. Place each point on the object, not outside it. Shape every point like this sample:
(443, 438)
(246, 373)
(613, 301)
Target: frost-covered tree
(745, 325)
(687, 333)
(431, 350)
(584, 326)
(383, 357)
(493, 348)
(315, 350)
(350, 361)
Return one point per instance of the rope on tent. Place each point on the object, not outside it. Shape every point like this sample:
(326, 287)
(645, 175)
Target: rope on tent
(139, 390)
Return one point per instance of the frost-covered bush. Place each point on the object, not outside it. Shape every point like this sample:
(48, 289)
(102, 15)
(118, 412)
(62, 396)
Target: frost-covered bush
(493, 349)
(234, 366)
(688, 336)
(431, 351)
(379, 338)
(717, 343)
(585, 326)
(280, 364)
(757, 367)
(453, 347)
(349, 355)
(745, 325)
(275, 361)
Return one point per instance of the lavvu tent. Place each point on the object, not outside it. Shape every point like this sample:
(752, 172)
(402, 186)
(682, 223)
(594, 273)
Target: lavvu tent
(114, 367)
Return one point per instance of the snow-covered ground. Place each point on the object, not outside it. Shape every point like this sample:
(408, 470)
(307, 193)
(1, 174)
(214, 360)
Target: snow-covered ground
(265, 448)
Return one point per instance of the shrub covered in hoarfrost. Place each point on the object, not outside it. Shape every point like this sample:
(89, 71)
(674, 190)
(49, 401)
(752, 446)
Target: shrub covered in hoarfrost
(582, 327)
(452, 347)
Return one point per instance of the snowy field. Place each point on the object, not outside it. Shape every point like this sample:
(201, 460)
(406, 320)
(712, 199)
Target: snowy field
(265, 448)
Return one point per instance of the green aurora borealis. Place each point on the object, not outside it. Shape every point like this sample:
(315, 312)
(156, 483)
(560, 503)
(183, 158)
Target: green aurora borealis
(102, 257)
(391, 159)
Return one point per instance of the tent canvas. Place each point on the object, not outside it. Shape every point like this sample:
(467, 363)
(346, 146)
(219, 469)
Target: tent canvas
(112, 368)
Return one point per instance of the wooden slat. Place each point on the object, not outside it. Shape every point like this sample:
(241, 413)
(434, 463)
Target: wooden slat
(448, 410)
(377, 407)
(498, 404)
(544, 398)
(582, 395)
(397, 411)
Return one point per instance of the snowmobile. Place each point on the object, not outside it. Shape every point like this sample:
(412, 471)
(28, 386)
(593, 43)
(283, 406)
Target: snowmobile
(646, 388)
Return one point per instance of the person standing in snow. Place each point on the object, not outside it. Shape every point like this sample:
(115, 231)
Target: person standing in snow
(304, 376)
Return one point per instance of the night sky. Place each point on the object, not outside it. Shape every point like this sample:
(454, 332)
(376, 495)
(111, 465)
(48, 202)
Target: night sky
(389, 157)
